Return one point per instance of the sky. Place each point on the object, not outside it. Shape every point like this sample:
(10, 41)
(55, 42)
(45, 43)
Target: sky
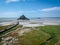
(30, 8)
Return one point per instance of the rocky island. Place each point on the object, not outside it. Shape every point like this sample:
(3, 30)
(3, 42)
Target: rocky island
(22, 17)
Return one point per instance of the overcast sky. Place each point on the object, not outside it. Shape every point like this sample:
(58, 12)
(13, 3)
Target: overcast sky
(30, 8)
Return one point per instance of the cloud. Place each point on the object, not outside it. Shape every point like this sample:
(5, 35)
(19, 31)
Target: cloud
(8, 1)
(51, 9)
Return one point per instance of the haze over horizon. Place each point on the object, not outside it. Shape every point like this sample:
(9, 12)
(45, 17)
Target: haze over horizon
(30, 8)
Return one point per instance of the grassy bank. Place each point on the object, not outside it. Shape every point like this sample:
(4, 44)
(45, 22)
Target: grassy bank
(5, 32)
(46, 35)
(54, 32)
(4, 27)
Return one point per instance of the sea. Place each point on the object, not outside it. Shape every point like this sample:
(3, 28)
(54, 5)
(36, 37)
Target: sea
(7, 19)
(49, 19)
(41, 19)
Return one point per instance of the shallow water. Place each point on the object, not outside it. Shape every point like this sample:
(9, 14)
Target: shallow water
(45, 21)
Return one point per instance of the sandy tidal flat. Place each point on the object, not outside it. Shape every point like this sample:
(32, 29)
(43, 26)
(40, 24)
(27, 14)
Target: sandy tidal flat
(34, 23)
(7, 23)
(31, 23)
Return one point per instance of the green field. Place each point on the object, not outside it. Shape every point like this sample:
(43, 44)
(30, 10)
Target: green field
(4, 27)
(46, 35)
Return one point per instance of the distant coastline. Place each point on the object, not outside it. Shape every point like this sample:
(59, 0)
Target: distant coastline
(38, 21)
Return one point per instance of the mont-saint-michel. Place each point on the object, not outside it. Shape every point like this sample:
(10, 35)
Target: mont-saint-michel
(29, 22)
